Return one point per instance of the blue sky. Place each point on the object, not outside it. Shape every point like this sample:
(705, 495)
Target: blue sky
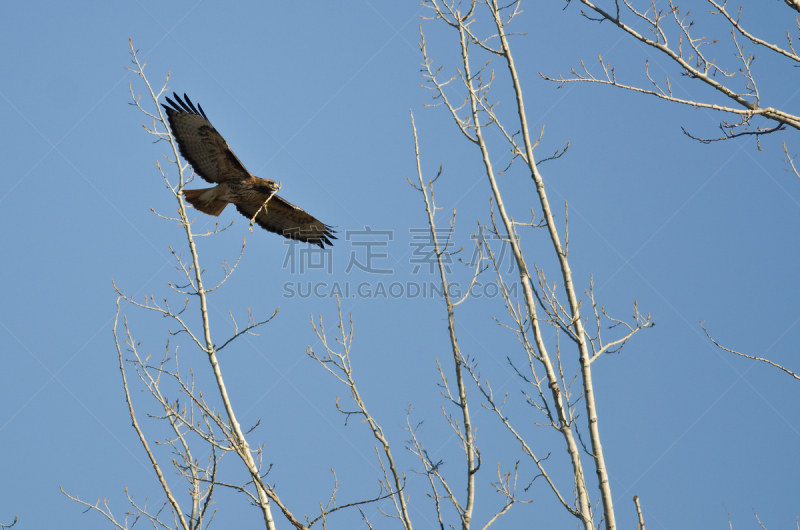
(319, 99)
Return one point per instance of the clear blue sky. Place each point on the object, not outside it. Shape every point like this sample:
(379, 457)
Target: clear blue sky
(319, 99)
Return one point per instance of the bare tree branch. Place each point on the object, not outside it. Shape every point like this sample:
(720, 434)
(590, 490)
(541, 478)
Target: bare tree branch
(339, 365)
(467, 435)
(761, 359)
(695, 65)
(640, 525)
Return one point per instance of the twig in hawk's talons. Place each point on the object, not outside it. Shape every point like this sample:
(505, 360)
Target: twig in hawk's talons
(264, 206)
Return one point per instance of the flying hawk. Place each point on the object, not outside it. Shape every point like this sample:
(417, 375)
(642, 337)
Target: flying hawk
(211, 158)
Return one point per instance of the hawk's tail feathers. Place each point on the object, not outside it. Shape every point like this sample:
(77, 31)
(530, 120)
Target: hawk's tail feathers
(205, 201)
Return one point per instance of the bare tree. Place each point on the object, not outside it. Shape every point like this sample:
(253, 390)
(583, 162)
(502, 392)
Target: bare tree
(671, 32)
(337, 361)
(199, 436)
(543, 370)
(340, 366)
(550, 392)
(461, 364)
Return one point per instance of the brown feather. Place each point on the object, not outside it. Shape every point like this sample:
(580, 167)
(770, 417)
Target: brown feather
(211, 205)
(284, 218)
(201, 145)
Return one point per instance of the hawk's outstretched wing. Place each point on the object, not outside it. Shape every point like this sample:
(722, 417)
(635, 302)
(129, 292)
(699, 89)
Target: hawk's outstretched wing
(200, 143)
(286, 219)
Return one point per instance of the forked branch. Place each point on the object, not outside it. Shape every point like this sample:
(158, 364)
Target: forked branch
(338, 364)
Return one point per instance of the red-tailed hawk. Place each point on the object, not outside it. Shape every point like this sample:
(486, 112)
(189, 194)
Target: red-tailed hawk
(211, 158)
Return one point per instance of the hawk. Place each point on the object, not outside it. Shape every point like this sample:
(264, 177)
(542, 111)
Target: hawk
(211, 157)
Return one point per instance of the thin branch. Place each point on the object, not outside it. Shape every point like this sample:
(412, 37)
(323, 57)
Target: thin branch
(640, 525)
(735, 23)
(761, 359)
(466, 436)
(790, 159)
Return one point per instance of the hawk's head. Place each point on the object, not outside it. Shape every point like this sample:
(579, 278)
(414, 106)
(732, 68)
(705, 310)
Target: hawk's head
(266, 186)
